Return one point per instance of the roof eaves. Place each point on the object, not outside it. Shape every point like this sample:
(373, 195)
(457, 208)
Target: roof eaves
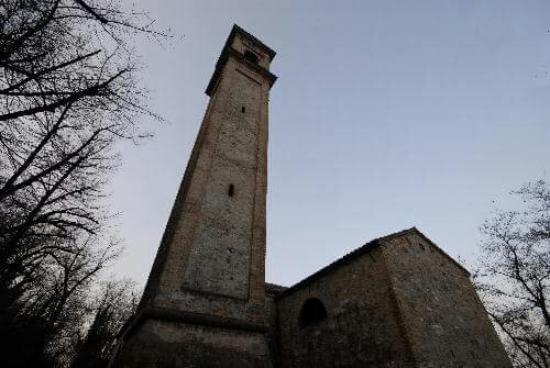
(343, 260)
(362, 250)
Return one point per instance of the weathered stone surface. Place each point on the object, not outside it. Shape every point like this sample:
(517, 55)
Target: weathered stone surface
(398, 301)
(362, 328)
(204, 302)
(163, 344)
(219, 261)
(444, 320)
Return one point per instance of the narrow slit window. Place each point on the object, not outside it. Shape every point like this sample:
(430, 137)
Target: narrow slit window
(243, 109)
(231, 190)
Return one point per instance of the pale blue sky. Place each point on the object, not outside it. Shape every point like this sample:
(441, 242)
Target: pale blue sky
(386, 115)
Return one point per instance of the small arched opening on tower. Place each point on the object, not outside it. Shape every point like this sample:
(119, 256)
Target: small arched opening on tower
(313, 311)
(250, 56)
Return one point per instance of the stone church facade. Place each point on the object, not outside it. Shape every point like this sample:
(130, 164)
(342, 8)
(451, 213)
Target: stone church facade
(397, 301)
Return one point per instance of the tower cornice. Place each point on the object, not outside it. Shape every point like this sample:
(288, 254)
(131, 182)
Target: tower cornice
(229, 51)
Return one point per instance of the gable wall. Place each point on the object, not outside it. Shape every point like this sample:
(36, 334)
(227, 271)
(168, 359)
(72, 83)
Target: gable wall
(445, 322)
(362, 326)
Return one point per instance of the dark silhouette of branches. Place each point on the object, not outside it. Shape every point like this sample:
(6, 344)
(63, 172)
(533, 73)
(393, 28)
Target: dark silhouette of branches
(514, 275)
(69, 90)
(115, 304)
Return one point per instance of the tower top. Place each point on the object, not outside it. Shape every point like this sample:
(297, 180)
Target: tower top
(245, 47)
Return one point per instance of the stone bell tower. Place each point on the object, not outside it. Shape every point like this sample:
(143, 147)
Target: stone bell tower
(204, 302)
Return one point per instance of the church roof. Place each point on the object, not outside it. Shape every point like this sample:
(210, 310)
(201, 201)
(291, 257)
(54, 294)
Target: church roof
(359, 252)
(274, 288)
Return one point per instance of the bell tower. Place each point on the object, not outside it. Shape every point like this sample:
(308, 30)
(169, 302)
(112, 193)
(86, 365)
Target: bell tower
(204, 302)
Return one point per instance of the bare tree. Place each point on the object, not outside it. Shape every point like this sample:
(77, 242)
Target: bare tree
(514, 275)
(116, 303)
(69, 90)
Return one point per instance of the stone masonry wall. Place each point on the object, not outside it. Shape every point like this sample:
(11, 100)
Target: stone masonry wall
(399, 301)
(204, 303)
(219, 261)
(444, 320)
(163, 344)
(215, 260)
(362, 328)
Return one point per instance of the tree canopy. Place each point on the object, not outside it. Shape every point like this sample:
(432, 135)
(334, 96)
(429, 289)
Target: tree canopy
(69, 91)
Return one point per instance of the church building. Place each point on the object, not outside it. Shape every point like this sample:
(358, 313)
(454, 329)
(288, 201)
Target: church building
(398, 301)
